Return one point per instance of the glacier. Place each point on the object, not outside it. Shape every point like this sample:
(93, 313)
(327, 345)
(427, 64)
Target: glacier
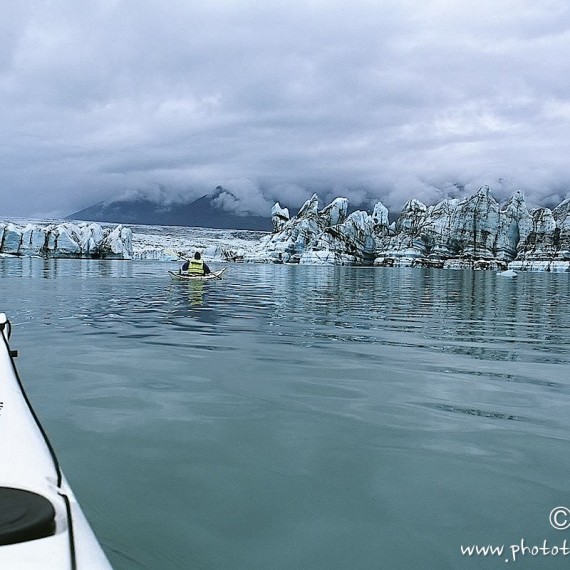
(475, 232)
(174, 243)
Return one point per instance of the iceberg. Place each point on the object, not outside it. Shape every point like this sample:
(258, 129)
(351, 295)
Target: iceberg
(83, 240)
(546, 246)
(472, 233)
(279, 216)
(326, 236)
(507, 273)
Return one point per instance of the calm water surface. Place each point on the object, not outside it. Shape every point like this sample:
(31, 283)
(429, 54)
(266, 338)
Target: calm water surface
(294, 417)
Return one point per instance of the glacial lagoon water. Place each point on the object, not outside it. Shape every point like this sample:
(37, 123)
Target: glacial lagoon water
(294, 417)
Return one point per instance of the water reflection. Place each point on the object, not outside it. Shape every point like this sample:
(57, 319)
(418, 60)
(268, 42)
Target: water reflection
(442, 307)
(56, 268)
(196, 293)
(445, 307)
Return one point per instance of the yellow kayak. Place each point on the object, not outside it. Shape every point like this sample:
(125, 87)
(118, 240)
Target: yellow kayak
(186, 277)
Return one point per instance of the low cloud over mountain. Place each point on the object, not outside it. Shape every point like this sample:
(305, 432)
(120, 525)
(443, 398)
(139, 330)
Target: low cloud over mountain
(220, 209)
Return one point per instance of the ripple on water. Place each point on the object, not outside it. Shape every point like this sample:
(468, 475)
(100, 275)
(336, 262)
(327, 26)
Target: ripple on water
(255, 419)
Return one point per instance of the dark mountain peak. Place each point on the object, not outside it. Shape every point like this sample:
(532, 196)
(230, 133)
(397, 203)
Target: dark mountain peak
(220, 209)
(219, 190)
(220, 199)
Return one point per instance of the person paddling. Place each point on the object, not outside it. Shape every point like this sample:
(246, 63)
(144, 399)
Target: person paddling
(196, 266)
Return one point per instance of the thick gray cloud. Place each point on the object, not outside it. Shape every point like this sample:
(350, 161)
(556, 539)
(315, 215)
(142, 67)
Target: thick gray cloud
(274, 100)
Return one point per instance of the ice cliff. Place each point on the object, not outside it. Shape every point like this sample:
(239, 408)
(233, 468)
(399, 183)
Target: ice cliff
(66, 240)
(473, 233)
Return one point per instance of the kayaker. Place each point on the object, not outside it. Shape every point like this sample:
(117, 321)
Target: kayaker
(196, 266)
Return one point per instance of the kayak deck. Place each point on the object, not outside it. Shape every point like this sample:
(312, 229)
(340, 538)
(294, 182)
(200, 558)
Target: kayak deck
(41, 522)
(186, 277)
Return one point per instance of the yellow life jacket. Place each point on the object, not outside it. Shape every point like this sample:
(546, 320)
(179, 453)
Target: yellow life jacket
(196, 267)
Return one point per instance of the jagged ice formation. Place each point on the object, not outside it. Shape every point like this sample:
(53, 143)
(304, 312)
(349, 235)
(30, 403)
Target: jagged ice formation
(472, 233)
(84, 240)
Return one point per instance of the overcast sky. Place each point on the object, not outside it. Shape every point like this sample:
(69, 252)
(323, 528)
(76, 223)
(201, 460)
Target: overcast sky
(276, 99)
